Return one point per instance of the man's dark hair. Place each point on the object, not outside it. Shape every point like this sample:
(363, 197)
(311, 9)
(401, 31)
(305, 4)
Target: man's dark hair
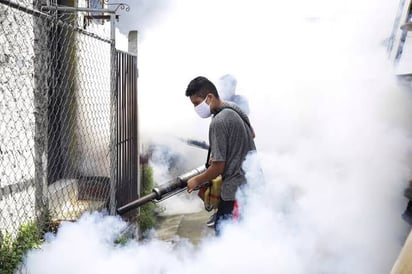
(201, 86)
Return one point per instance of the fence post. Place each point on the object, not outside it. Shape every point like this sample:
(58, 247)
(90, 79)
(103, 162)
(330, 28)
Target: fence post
(133, 48)
(113, 115)
(132, 42)
(40, 91)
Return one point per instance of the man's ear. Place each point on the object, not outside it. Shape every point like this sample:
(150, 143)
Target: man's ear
(211, 96)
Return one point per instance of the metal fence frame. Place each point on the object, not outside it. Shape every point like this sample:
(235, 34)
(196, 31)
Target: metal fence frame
(121, 186)
(127, 133)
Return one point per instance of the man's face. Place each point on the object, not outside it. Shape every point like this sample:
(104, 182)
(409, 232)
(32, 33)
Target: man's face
(196, 99)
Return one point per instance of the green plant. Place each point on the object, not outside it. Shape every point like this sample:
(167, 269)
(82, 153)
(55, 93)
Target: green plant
(8, 261)
(147, 218)
(122, 240)
(12, 249)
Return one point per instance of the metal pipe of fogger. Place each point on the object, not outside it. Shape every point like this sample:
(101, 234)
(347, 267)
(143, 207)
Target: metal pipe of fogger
(163, 191)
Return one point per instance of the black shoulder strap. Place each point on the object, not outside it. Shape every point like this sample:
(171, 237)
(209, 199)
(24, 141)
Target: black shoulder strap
(235, 110)
(244, 120)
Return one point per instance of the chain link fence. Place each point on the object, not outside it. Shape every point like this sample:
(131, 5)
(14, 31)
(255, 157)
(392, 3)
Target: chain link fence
(56, 114)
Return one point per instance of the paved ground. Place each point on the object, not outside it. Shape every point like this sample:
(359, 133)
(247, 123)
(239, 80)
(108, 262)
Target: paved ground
(190, 226)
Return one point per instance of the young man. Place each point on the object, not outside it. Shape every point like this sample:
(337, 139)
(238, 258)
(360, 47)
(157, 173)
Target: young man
(230, 140)
(226, 87)
(227, 92)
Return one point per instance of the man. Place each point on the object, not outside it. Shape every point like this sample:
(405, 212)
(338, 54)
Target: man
(226, 87)
(230, 140)
(227, 92)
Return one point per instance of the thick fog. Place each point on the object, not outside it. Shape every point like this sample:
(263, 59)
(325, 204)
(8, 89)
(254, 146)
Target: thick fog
(332, 131)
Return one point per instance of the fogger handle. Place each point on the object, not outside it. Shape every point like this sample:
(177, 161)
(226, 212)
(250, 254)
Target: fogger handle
(163, 191)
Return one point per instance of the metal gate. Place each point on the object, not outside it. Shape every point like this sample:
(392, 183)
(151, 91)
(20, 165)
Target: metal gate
(127, 129)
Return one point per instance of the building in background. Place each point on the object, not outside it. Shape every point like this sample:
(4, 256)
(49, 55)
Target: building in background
(400, 52)
(400, 42)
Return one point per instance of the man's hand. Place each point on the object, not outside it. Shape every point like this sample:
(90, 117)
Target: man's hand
(214, 170)
(192, 184)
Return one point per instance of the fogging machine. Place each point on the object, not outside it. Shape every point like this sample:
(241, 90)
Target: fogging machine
(164, 191)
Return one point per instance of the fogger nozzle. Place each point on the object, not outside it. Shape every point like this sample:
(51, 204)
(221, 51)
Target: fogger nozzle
(163, 191)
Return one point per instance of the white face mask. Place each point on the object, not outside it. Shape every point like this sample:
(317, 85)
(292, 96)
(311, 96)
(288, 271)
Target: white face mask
(203, 109)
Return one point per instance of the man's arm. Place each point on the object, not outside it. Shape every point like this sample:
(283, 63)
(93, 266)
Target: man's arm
(214, 170)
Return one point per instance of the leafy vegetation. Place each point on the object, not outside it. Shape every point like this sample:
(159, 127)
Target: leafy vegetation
(122, 240)
(147, 218)
(12, 249)
(30, 236)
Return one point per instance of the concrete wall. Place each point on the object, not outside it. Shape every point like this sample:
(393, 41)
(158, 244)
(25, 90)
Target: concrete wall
(403, 264)
(26, 70)
(17, 120)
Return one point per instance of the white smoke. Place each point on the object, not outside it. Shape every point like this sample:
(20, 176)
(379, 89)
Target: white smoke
(333, 138)
(141, 15)
(169, 160)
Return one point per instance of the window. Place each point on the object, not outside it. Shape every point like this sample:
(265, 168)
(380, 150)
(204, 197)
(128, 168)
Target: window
(95, 17)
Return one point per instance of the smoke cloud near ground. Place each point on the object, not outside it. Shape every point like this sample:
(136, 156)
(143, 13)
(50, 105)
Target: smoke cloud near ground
(333, 136)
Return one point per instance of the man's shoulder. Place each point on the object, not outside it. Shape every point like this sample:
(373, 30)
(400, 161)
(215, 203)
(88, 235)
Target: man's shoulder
(227, 118)
(227, 109)
(241, 102)
(230, 106)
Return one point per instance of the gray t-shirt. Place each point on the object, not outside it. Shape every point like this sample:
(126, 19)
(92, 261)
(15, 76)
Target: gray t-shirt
(230, 140)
